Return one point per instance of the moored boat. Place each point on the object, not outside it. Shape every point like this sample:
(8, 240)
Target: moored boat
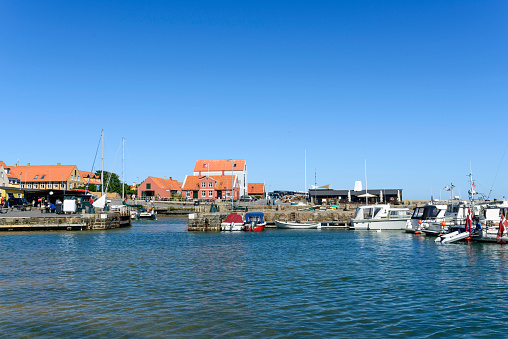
(380, 217)
(233, 222)
(431, 212)
(254, 222)
(297, 224)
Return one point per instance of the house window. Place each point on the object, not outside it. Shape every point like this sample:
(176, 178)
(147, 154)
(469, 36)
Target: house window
(188, 194)
(210, 184)
(203, 184)
(228, 193)
(72, 177)
(42, 185)
(210, 193)
(148, 186)
(203, 194)
(22, 185)
(36, 186)
(8, 170)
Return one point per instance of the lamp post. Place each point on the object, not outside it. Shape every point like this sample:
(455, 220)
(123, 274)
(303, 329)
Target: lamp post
(51, 186)
(232, 186)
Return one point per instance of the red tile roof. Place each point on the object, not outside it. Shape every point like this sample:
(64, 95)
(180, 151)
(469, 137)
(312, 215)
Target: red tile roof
(258, 188)
(170, 184)
(42, 173)
(219, 165)
(94, 179)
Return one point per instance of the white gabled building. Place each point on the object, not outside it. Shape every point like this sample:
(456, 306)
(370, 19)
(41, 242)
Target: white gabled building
(236, 167)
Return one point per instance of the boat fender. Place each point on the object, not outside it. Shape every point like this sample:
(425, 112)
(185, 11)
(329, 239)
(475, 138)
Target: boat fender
(438, 239)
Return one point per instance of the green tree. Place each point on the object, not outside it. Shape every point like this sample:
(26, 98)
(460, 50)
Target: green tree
(115, 185)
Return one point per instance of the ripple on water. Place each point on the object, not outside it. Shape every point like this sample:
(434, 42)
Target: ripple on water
(155, 279)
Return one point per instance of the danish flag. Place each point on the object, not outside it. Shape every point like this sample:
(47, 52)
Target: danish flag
(469, 221)
(503, 224)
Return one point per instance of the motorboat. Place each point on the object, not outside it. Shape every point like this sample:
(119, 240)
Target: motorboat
(254, 222)
(430, 213)
(149, 213)
(454, 215)
(233, 222)
(380, 217)
(297, 224)
(491, 225)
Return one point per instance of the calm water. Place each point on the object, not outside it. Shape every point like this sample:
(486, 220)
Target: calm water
(157, 280)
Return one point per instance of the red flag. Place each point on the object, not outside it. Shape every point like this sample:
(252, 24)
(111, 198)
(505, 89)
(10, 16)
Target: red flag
(503, 224)
(469, 221)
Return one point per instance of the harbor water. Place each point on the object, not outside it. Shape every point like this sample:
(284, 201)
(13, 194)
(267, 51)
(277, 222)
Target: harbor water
(155, 280)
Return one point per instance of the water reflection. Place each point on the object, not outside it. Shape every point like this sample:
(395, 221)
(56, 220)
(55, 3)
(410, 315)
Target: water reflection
(155, 279)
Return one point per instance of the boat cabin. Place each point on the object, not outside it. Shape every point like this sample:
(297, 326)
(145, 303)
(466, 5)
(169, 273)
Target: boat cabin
(381, 212)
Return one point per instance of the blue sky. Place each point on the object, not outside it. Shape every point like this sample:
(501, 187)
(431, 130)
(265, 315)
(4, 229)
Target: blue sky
(417, 88)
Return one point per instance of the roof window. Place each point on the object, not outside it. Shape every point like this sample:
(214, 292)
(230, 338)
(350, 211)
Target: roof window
(43, 176)
(37, 176)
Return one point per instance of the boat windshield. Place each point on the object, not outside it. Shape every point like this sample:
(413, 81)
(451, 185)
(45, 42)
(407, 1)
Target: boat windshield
(376, 212)
(431, 212)
(367, 213)
(418, 213)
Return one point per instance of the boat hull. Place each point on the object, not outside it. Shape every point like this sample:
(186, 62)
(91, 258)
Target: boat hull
(297, 225)
(378, 225)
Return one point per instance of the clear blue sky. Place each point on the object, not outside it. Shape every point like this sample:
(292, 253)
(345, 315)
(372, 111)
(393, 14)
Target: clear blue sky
(418, 88)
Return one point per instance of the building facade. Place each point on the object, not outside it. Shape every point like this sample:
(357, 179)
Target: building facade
(231, 167)
(257, 190)
(160, 188)
(224, 187)
(372, 196)
(57, 177)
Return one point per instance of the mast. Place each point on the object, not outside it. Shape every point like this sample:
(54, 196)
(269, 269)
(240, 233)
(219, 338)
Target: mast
(305, 188)
(315, 186)
(102, 164)
(366, 192)
(123, 169)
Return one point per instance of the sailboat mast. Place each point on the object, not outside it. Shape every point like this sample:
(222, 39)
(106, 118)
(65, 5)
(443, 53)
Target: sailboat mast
(305, 188)
(102, 164)
(366, 192)
(123, 169)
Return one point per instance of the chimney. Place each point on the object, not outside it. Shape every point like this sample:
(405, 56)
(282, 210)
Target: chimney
(27, 164)
(58, 163)
(170, 178)
(164, 177)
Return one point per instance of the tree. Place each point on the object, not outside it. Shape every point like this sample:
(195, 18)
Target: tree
(115, 185)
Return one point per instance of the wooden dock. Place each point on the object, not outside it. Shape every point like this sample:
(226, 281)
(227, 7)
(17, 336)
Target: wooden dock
(78, 222)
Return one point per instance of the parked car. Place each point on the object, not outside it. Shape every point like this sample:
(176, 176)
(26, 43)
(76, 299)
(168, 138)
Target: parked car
(247, 198)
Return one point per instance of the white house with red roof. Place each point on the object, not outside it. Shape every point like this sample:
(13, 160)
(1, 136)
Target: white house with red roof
(225, 167)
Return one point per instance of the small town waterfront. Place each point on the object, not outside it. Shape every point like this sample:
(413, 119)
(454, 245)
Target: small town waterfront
(155, 279)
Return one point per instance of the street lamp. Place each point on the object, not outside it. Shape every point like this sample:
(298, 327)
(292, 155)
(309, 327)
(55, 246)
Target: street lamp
(51, 186)
(232, 186)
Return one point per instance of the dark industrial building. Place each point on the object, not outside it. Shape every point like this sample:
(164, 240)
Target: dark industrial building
(330, 196)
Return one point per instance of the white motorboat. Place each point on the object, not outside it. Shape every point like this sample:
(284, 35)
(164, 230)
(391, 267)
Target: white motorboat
(147, 214)
(430, 213)
(297, 224)
(380, 217)
(454, 214)
(491, 219)
(233, 222)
